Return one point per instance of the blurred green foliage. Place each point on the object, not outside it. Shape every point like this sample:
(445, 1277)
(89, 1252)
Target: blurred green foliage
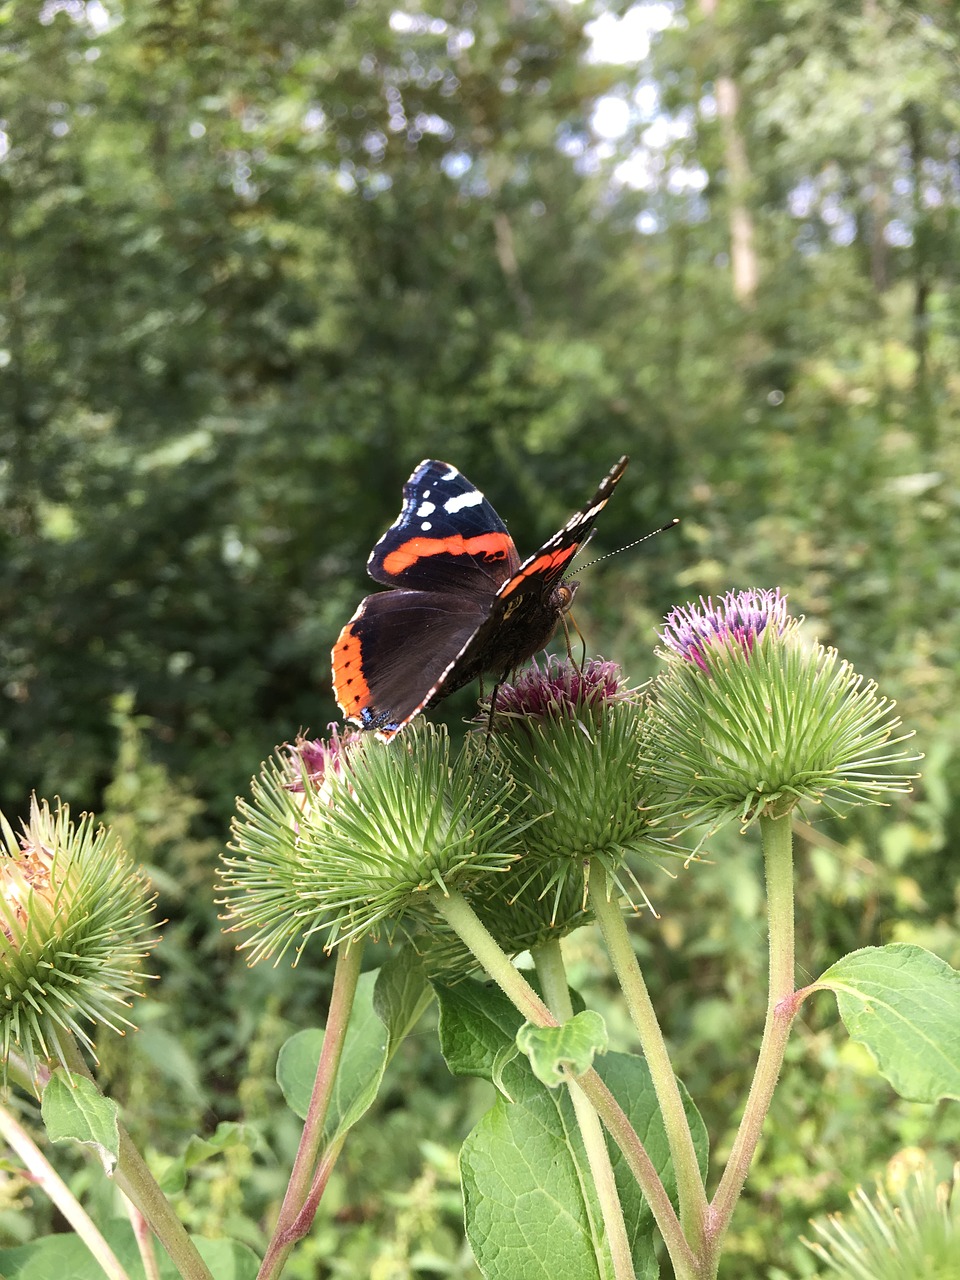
(257, 263)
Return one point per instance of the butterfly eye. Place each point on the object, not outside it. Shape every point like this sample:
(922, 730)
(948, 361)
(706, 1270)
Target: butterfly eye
(563, 596)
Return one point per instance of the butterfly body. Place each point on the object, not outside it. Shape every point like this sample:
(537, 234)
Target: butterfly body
(462, 602)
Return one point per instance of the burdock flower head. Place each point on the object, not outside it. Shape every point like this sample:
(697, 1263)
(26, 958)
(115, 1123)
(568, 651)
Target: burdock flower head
(74, 923)
(314, 766)
(704, 634)
(570, 739)
(347, 836)
(562, 690)
(750, 720)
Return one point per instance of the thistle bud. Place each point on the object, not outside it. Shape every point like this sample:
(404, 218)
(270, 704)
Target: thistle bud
(749, 719)
(561, 690)
(74, 918)
(570, 739)
(353, 845)
(316, 765)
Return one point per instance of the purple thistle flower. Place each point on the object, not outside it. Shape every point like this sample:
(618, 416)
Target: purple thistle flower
(561, 688)
(318, 758)
(738, 618)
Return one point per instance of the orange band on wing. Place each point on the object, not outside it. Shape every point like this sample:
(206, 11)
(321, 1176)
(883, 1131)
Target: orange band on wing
(544, 566)
(349, 686)
(492, 546)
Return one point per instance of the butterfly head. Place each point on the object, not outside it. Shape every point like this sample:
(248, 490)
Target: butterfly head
(563, 594)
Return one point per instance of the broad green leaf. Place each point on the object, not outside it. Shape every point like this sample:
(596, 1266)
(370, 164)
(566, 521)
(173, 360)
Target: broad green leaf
(387, 1004)
(400, 994)
(530, 1206)
(628, 1078)
(903, 1003)
(571, 1046)
(362, 1064)
(74, 1110)
(66, 1257)
(477, 1023)
(507, 1166)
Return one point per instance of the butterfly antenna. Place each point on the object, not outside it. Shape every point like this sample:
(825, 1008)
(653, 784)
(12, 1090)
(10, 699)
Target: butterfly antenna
(636, 542)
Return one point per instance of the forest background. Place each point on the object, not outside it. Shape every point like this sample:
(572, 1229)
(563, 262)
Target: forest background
(258, 261)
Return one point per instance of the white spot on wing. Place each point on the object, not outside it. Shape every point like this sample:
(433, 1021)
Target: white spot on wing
(452, 474)
(585, 516)
(426, 509)
(472, 499)
(425, 525)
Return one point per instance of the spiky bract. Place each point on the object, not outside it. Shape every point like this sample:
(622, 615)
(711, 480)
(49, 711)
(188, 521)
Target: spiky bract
(571, 740)
(753, 722)
(74, 926)
(357, 848)
(916, 1238)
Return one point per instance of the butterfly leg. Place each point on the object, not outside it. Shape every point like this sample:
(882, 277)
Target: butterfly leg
(493, 705)
(569, 621)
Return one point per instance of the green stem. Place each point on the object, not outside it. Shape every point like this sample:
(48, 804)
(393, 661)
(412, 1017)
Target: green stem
(690, 1188)
(292, 1222)
(46, 1177)
(781, 1010)
(467, 925)
(133, 1177)
(553, 981)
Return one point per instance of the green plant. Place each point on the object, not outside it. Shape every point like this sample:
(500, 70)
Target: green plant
(914, 1235)
(461, 860)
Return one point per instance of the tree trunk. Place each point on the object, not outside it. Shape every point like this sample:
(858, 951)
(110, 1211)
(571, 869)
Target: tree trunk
(743, 253)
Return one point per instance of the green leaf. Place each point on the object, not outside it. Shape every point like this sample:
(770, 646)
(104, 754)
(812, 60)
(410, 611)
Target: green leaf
(228, 1134)
(628, 1078)
(67, 1256)
(400, 994)
(525, 1156)
(500, 1063)
(198, 1150)
(361, 1069)
(571, 1047)
(74, 1110)
(903, 1003)
(478, 1027)
(530, 1206)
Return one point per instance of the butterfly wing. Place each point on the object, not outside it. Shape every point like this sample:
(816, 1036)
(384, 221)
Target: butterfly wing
(530, 604)
(541, 572)
(446, 556)
(447, 538)
(394, 654)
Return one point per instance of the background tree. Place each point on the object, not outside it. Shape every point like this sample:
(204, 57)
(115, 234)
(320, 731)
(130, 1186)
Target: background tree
(259, 262)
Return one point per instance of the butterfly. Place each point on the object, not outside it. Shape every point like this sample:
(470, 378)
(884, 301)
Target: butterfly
(463, 603)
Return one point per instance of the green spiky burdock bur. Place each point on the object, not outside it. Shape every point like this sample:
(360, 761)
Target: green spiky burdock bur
(571, 739)
(75, 925)
(914, 1235)
(345, 837)
(750, 719)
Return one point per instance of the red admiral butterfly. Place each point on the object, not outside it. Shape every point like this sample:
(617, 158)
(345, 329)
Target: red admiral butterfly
(463, 604)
